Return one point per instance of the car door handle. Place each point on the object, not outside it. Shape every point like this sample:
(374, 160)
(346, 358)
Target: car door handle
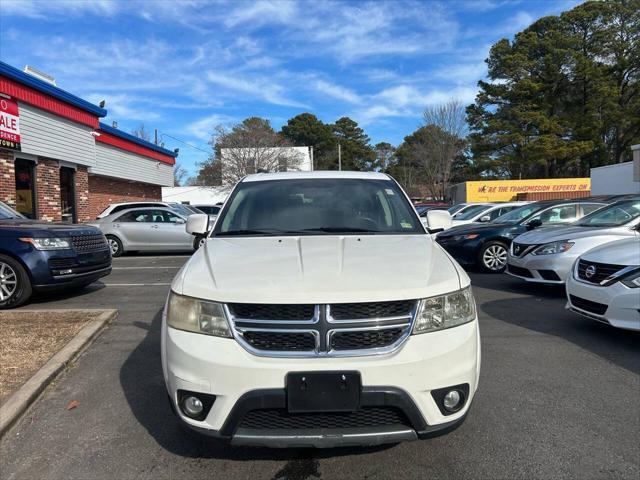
(154, 226)
(116, 225)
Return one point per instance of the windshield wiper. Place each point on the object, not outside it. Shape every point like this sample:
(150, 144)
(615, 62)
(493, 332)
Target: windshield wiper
(263, 231)
(339, 230)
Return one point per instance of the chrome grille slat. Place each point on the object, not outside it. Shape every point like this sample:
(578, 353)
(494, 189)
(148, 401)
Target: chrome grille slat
(333, 337)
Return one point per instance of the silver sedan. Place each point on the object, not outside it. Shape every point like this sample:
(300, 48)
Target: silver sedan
(152, 229)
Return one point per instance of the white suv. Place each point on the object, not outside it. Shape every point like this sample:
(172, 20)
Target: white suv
(320, 313)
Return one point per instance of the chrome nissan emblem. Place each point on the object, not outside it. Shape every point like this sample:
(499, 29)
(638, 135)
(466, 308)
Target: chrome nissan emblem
(590, 271)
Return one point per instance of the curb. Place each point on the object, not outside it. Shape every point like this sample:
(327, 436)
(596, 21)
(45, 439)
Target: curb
(26, 395)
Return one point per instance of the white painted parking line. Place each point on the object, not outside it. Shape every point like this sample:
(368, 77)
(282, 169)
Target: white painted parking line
(139, 268)
(119, 259)
(137, 284)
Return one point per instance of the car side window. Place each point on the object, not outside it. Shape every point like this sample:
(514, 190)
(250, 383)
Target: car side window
(158, 216)
(170, 217)
(139, 216)
(587, 208)
(499, 212)
(559, 214)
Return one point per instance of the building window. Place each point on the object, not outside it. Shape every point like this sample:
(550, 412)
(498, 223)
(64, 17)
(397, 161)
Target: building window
(25, 188)
(68, 194)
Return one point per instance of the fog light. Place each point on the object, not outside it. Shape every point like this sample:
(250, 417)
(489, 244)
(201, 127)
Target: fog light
(192, 406)
(452, 400)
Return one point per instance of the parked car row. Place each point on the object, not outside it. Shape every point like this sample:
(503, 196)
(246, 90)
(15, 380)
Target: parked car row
(591, 245)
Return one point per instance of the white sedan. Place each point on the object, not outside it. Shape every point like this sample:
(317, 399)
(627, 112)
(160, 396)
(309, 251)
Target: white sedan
(605, 285)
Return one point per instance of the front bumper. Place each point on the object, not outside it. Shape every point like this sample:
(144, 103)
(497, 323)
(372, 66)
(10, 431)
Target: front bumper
(550, 269)
(623, 303)
(403, 379)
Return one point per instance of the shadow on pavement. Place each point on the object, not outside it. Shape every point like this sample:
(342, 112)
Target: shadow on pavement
(620, 347)
(143, 385)
(58, 295)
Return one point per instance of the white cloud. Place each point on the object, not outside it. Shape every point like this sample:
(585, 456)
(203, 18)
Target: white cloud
(202, 129)
(336, 91)
(259, 88)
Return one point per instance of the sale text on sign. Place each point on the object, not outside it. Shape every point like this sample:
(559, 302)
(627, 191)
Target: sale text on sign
(9, 124)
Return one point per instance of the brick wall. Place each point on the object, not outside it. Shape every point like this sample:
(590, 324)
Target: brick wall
(7, 179)
(48, 190)
(83, 209)
(103, 191)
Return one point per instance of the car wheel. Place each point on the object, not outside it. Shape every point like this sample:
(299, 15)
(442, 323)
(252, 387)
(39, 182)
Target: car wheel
(115, 245)
(15, 284)
(493, 257)
(199, 242)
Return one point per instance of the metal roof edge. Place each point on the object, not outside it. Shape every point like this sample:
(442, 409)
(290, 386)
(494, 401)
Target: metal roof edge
(132, 138)
(44, 87)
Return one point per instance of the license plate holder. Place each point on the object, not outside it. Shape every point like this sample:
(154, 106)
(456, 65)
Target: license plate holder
(323, 391)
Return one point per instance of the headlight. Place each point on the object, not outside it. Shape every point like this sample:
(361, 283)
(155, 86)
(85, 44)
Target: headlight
(554, 247)
(632, 280)
(445, 311)
(199, 316)
(468, 236)
(48, 243)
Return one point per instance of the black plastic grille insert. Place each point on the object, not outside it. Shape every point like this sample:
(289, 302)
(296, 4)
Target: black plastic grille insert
(588, 305)
(281, 341)
(602, 271)
(280, 418)
(356, 340)
(89, 243)
(263, 311)
(350, 311)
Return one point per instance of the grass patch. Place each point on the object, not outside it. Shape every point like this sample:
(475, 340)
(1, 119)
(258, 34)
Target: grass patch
(28, 339)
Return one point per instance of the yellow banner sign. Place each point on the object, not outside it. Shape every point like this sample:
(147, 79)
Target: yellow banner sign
(506, 190)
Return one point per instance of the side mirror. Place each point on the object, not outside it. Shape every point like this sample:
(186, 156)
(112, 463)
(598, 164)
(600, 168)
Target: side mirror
(198, 223)
(485, 218)
(438, 220)
(534, 224)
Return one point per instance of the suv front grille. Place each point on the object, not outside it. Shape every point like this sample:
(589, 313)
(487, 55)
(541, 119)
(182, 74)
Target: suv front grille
(89, 243)
(315, 330)
(593, 272)
(364, 339)
(280, 418)
(346, 311)
(275, 341)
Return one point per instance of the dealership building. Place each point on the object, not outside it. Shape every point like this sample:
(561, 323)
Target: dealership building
(59, 162)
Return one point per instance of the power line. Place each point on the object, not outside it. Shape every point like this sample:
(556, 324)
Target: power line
(208, 152)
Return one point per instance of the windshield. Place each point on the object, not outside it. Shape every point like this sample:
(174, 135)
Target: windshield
(456, 208)
(515, 216)
(183, 209)
(317, 206)
(612, 216)
(7, 213)
(472, 211)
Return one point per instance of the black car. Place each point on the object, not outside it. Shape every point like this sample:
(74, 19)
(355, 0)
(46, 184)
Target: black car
(44, 256)
(487, 244)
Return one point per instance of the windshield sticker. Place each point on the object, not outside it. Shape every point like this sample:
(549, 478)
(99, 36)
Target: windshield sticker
(406, 225)
(389, 191)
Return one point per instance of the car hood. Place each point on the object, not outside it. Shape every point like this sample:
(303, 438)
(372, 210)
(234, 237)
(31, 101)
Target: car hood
(318, 269)
(556, 233)
(621, 252)
(44, 229)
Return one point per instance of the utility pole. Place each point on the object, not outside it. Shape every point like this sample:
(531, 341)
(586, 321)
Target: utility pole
(339, 156)
(155, 136)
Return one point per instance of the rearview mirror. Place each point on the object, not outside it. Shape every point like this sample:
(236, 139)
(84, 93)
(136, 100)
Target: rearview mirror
(437, 220)
(535, 223)
(198, 223)
(485, 218)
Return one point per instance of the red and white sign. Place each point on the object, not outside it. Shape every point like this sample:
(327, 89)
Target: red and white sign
(9, 124)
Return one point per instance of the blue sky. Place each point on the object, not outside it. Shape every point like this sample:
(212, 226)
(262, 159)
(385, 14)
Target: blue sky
(184, 67)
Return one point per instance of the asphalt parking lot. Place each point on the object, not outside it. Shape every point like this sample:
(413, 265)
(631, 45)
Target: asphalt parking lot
(559, 397)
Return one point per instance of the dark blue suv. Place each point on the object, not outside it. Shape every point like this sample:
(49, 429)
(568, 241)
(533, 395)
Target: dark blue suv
(45, 256)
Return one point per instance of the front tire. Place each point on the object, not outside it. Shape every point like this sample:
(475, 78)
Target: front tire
(15, 284)
(115, 245)
(493, 257)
